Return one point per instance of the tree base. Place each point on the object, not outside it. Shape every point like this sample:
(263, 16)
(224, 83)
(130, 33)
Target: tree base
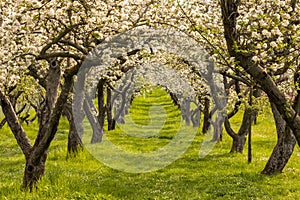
(33, 173)
(280, 155)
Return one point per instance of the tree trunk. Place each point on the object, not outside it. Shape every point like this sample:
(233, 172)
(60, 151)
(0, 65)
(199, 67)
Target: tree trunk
(90, 111)
(102, 110)
(186, 111)
(52, 86)
(33, 171)
(74, 140)
(174, 99)
(250, 145)
(286, 139)
(206, 117)
(238, 144)
(35, 161)
(284, 147)
(239, 139)
(110, 120)
(195, 117)
(13, 99)
(120, 114)
(15, 125)
(217, 124)
(120, 98)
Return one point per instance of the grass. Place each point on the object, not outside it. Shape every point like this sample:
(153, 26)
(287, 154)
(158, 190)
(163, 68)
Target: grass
(219, 175)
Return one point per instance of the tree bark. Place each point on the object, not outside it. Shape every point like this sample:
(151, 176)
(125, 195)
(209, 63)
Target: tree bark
(174, 99)
(13, 99)
(286, 140)
(250, 125)
(284, 147)
(238, 144)
(74, 140)
(121, 97)
(195, 117)
(22, 119)
(102, 110)
(110, 121)
(15, 125)
(90, 111)
(218, 128)
(239, 139)
(35, 163)
(34, 170)
(186, 111)
(206, 117)
(52, 86)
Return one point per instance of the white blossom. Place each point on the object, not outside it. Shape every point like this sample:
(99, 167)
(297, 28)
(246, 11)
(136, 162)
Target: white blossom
(255, 59)
(285, 23)
(258, 46)
(255, 35)
(265, 45)
(266, 33)
(273, 44)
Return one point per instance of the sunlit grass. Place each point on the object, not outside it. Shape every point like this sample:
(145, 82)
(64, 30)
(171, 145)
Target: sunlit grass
(219, 175)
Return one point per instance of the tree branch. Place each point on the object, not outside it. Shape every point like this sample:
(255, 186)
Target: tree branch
(59, 37)
(76, 46)
(34, 73)
(15, 125)
(63, 54)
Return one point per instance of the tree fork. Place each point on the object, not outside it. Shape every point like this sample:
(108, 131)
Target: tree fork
(35, 163)
(239, 139)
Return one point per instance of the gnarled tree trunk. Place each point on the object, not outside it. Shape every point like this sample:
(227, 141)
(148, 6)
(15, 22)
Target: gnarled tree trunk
(36, 154)
(239, 139)
(35, 162)
(284, 147)
(34, 170)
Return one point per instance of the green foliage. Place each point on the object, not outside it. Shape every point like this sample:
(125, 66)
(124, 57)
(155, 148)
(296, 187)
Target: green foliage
(219, 175)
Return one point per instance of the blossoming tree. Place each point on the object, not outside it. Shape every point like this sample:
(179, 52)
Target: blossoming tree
(49, 40)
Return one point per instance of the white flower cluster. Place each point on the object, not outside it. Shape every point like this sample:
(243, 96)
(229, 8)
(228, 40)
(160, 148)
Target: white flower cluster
(269, 28)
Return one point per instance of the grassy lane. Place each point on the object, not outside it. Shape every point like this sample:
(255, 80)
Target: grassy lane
(219, 175)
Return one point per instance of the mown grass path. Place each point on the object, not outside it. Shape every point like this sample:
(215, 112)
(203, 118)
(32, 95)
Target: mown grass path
(219, 175)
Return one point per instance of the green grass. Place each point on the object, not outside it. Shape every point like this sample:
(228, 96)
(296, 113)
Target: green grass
(219, 175)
